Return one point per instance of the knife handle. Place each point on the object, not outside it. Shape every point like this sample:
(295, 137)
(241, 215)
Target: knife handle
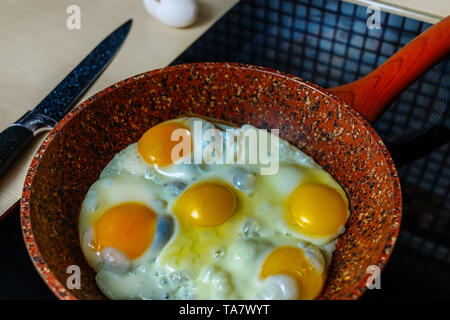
(13, 142)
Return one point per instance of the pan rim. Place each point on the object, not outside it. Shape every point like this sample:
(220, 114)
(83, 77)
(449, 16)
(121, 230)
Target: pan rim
(61, 292)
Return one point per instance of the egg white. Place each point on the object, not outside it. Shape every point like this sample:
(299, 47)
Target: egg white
(111, 191)
(230, 255)
(235, 273)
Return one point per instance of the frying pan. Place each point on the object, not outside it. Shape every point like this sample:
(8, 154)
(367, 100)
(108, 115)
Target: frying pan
(330, 125)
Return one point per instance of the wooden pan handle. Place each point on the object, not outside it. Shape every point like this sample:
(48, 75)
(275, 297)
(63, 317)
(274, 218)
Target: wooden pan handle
(371, 94)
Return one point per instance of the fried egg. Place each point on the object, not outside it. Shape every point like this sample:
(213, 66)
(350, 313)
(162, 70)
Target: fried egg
(123, 222)
(151, 156)
(158, 225)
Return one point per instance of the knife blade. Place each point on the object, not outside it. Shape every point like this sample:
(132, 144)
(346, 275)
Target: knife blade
(61, 99)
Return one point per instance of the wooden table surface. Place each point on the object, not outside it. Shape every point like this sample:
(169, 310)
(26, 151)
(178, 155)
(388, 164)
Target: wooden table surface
(37, 51)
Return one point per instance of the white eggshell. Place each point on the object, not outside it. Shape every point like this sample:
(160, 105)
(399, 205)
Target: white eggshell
(174, 13)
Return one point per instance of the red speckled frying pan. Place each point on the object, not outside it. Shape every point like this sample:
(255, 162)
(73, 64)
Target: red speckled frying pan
(330, 125)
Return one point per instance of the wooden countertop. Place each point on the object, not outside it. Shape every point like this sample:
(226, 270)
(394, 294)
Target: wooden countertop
(37, 51)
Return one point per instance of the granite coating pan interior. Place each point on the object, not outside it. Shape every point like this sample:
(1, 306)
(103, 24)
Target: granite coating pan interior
(340, 140)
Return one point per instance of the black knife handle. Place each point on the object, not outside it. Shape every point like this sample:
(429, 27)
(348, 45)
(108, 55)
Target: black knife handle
(13, 142)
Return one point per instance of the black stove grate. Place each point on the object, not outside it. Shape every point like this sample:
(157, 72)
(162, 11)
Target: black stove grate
(329, 43)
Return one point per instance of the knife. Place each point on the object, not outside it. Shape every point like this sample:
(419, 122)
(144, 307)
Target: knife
(60, 100)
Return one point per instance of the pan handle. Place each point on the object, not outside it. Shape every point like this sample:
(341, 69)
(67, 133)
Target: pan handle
(371, 94)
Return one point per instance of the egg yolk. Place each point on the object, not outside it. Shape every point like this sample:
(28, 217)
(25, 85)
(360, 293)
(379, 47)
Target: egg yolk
(129, 227)
(291, 261)
(318, 209)
(156, 145)
(207, 204)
